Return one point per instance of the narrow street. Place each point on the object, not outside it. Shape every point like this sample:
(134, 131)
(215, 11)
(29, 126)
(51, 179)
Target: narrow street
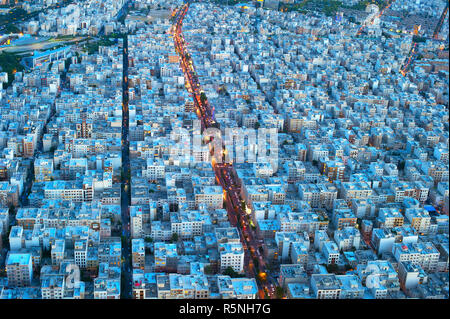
(225, 172)
(125, 187)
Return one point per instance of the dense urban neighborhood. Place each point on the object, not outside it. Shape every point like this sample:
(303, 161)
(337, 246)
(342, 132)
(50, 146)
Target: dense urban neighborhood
(224, 149)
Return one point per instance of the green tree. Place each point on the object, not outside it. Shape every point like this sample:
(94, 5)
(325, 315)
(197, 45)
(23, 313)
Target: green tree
(124, 240)
(208, 270)
(174, 237)
(279, 292)
(11, 28)
(67, 63)
(256, 263)
(332, 268)
(10, 63)
(84, 276)
(46, 253)
(203, 97)
(229, 271)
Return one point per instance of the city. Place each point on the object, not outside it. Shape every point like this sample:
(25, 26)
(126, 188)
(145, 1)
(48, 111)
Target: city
(224, 149)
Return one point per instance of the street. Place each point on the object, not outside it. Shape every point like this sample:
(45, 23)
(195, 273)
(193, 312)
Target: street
(125, 187)
(225, 172)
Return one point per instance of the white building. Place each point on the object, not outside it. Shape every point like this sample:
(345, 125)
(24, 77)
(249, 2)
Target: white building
(231, 255)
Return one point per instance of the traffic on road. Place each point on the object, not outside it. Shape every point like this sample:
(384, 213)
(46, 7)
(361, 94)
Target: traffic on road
(238, 212)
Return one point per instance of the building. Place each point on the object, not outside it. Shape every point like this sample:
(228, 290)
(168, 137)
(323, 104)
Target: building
(19, 269)
(81, 253)
(155, 169)
(166, 256)
(231, 255)
(380, 277)
(325, 286)
(52, 287)
(212, 196)
(419, 218)
(176, 286)
(411, 275)
(423, 254)
(244, 288)
(347, 238)
(138, 253)
(351, 287)
(107, 283)
(136, 221)
(38, 58)
(331, 252)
